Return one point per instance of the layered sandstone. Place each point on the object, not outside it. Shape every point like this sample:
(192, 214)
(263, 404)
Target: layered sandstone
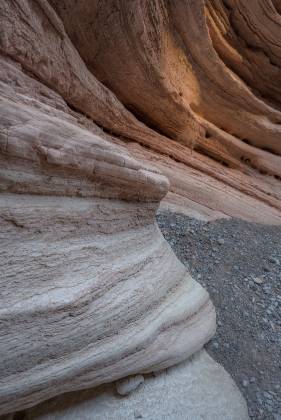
(91, 291)
(194, 83)
(106, 107)
(205, 76)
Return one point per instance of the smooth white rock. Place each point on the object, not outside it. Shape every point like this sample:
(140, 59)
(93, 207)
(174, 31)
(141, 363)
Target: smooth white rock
(198, 389)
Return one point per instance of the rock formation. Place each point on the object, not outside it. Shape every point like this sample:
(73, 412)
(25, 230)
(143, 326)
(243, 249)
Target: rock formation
(189, 391)
(204, 74)
(191, 87)
(106, 107)
(91, 291)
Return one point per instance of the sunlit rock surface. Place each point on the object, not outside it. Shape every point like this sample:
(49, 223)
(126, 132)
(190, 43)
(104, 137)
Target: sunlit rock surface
(192, 87)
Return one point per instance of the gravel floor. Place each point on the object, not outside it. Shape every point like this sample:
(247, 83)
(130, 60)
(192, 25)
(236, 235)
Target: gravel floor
(239, 263)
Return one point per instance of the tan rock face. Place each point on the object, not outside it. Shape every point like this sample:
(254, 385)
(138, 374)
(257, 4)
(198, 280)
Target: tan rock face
(195, 81)
(91, 291)
(206, 74)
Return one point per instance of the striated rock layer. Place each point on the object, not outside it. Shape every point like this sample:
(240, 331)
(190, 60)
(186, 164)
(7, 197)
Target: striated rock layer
(194, 83)
(90, 290)
(204, 75)
(104, 108)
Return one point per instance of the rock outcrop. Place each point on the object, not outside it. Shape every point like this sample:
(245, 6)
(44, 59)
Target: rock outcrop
(105, 108)
(191, 87)
(189, 391)
(91, 291)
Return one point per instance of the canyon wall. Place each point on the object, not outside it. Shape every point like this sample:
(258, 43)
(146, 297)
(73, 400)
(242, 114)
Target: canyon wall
(203, 75)
(105, 108)
(91, 291)
(192, 87)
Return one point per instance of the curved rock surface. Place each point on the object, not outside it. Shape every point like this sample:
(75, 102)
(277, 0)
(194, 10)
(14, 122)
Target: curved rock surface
(104, 108)
(194, 83)
(189, 391)
(91, 291)
(205, 76)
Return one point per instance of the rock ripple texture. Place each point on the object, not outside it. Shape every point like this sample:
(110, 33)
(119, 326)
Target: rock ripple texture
(104, 108)
(90, 290)
(192, 87)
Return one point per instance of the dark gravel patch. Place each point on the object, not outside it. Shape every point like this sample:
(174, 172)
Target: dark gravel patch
(239, 263)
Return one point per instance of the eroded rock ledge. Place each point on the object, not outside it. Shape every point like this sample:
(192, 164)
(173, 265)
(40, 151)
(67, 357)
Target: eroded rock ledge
(104, 108)
(192, 87)
(91, 291)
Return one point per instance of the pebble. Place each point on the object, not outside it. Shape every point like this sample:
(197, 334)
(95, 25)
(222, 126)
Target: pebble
(128, 385)
(258, 280)
(267, 395)
(245, 383)
(137, 414)
(220, 241)
(274, 260)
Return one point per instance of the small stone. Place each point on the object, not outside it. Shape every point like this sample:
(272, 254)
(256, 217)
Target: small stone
(252, 380)
(274, 260)
(215, 345)
(258, 280)
(137, 414)
(267, 395)
(245, 383)
(220, 241)
(127, 385)
(266, 269)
